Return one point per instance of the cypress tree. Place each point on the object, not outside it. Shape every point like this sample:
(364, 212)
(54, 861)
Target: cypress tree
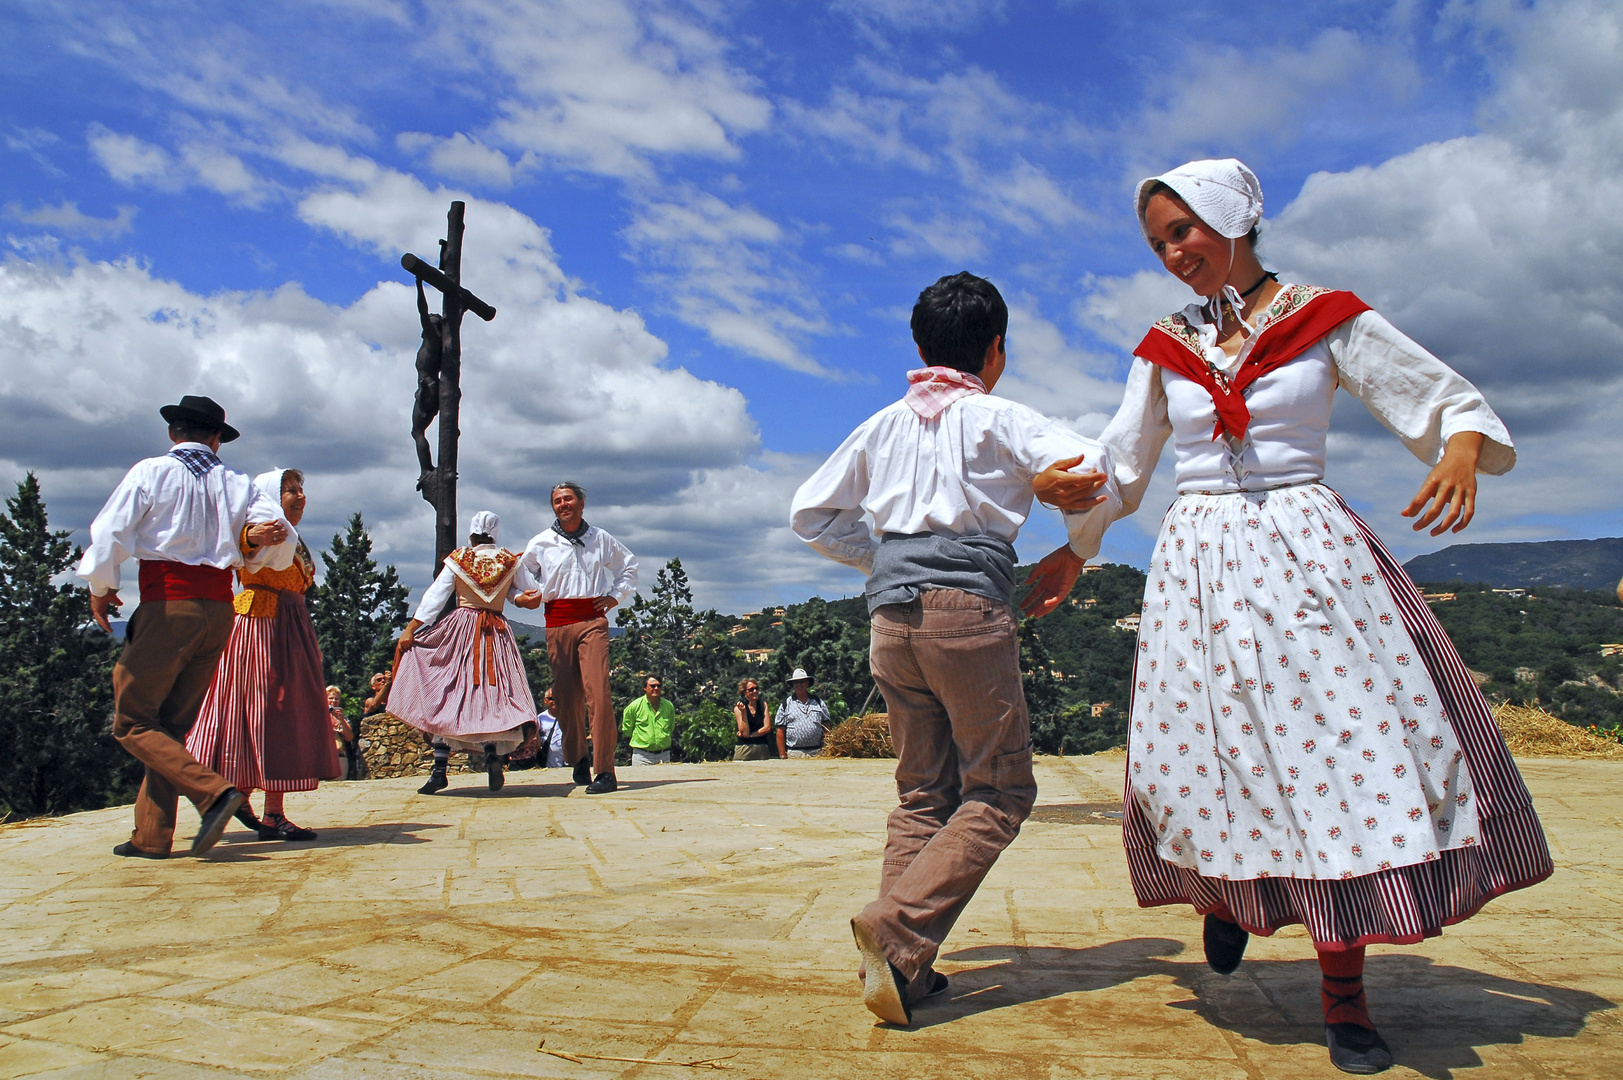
(357, 610)
(56, 694)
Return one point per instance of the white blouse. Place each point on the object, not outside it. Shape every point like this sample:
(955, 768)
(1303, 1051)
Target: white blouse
(966, 472)
(1416, 396)
(161, 511)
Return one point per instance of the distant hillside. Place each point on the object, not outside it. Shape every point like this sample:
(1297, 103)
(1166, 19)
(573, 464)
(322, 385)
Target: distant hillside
(1567, 564)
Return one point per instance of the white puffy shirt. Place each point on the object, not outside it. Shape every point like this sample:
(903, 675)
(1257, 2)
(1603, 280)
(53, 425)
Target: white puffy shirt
(599, 566)
(965, 472)
(1416, 396)
(161, 511)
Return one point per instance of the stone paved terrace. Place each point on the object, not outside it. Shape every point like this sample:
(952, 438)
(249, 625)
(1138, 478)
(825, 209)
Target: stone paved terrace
(702, 912)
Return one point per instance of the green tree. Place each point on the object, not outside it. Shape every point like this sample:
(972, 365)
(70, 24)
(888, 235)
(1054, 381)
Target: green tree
(357, 609)
(831, 642)
(56, 755)
(665, 636)
(704, 733)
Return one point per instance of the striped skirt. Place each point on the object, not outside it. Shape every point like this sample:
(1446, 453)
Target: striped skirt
(264, 723)
(463, 682)
(1336, 785)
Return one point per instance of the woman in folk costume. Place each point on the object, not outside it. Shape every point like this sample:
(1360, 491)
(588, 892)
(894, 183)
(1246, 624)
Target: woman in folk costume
(264, 722)
(460, 679)
(1305, 744)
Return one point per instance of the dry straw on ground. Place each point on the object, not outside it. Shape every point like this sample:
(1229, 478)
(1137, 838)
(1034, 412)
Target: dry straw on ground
(861, 737)
(1533, 732)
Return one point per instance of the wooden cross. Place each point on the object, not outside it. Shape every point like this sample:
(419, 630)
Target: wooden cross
(439, 374)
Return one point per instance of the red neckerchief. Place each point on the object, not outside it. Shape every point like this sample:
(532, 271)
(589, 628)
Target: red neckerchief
(1299, 316)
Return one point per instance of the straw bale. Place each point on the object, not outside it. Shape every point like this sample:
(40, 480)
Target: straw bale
(1532, 732)
(861, 737)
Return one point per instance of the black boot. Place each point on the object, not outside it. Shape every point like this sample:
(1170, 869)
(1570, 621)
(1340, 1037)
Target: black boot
(436, 778)
(1225, 944)
(583, 771)
(493, 767)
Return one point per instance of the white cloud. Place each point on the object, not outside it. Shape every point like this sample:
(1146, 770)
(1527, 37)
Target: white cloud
(460, 157)
(66, 217)
(134, 162)
(1118, 310)
(131, 160)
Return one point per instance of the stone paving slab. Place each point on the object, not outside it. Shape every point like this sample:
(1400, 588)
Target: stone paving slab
(702, 913)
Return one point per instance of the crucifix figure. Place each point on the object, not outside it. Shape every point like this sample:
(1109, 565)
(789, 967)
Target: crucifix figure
(439, 371)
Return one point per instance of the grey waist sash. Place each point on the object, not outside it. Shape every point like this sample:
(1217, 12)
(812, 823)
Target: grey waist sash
(908, 564)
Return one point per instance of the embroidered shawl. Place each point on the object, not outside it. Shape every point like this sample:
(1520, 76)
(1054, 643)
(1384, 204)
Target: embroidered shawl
(485, 572)
(1299, 316)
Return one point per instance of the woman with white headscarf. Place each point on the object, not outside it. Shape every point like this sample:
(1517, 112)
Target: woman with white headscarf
(460, 679)
(264, 722)
(1305, 745)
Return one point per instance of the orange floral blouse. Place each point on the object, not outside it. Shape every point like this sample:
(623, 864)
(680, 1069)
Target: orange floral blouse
(257, 600)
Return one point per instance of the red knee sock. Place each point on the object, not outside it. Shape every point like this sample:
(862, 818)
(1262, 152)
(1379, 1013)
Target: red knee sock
(1342, 990)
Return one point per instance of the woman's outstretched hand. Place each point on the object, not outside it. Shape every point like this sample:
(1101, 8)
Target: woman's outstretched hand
(1450, 486)
(1051, 581)
(1062, 489)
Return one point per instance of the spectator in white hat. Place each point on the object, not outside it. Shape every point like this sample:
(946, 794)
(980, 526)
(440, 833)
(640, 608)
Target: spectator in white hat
(802, 719)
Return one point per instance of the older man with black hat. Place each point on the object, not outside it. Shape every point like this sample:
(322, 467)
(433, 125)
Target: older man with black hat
(189, 520)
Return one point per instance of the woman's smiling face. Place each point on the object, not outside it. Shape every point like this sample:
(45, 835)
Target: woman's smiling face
(1191, 250)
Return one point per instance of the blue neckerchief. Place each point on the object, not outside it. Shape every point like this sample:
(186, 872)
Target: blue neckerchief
(197, 462)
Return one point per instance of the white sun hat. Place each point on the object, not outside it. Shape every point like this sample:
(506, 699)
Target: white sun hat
(800, 673)
(485, 523)
(1222, 192)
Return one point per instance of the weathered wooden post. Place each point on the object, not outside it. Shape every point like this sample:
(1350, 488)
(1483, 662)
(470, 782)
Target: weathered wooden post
(439, 376)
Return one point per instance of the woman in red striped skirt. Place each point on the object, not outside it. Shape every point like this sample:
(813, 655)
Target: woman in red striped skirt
(264, 723)
(1305, 745)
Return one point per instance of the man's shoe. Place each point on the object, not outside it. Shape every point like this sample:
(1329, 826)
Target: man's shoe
(215, 819)
(938, 985)
(1225, 944)
(602, 785)
(884, 991)
(493, 767)
(245, 814)
(1358, 1050)
(130, 851)
(435, 782)
(583, 772)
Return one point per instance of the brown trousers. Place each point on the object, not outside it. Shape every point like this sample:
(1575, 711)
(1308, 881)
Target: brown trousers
(170, 652)
(948, 665)
(579, 654)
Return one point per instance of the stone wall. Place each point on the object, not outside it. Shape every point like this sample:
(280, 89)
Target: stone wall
(398, 749)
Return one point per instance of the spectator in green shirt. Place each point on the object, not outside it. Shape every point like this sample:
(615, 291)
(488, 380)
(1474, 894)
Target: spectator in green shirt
(648, 721)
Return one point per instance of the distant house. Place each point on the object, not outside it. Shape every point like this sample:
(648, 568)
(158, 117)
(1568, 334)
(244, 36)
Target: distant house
(758, 656)
(1611, 650)
(1128, 623)
(1091, 568)
(1437, 597)
(1098, 708)
(1514, 594)
(736, 629)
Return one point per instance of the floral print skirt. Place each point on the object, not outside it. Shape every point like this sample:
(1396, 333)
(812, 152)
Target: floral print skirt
(1305, 745)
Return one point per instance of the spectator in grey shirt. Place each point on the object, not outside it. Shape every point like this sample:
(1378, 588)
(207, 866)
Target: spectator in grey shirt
(801, 720)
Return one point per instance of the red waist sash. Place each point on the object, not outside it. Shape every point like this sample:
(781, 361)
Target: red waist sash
(573, 609)
(162, 581)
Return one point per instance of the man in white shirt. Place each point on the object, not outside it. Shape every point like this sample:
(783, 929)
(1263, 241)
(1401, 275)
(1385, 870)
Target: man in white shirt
(189, 520)
(582, 573)
(944, 476)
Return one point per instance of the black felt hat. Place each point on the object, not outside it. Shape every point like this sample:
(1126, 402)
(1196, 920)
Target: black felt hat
(200, 410)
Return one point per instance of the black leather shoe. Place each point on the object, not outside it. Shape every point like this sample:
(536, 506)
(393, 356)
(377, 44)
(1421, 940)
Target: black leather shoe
(245, 814)
(130, 851)
(1225, 944)
(435, 782)
(602, 785)
(493, 767)
(1358, 1050)
(215, 819)
(278, 827)
(583, 772)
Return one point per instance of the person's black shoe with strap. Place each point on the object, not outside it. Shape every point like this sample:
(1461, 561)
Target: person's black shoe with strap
(278, 827)
(493, 767)
(215, 819)
(436, 781)
(1225, 944)
(602, 785)
(1358, 1050)
(583, 772)
(130, 851)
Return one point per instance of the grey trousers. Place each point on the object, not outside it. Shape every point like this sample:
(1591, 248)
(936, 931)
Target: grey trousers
(948, 665)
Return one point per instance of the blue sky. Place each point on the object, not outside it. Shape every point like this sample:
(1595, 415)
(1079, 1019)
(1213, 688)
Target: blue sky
(704, 223)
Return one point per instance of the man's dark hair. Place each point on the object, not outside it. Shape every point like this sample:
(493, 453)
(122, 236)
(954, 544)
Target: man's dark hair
(188, 431)
(956, 319)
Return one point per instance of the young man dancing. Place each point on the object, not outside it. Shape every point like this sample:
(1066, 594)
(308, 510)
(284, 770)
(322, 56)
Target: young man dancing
(945, 476)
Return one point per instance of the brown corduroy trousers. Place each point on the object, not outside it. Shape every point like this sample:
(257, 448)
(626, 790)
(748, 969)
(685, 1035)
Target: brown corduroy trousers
(579, 654)
(948, 665)
(170, 652)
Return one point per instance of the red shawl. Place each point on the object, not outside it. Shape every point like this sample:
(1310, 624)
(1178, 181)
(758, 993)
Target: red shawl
(1299, 316)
